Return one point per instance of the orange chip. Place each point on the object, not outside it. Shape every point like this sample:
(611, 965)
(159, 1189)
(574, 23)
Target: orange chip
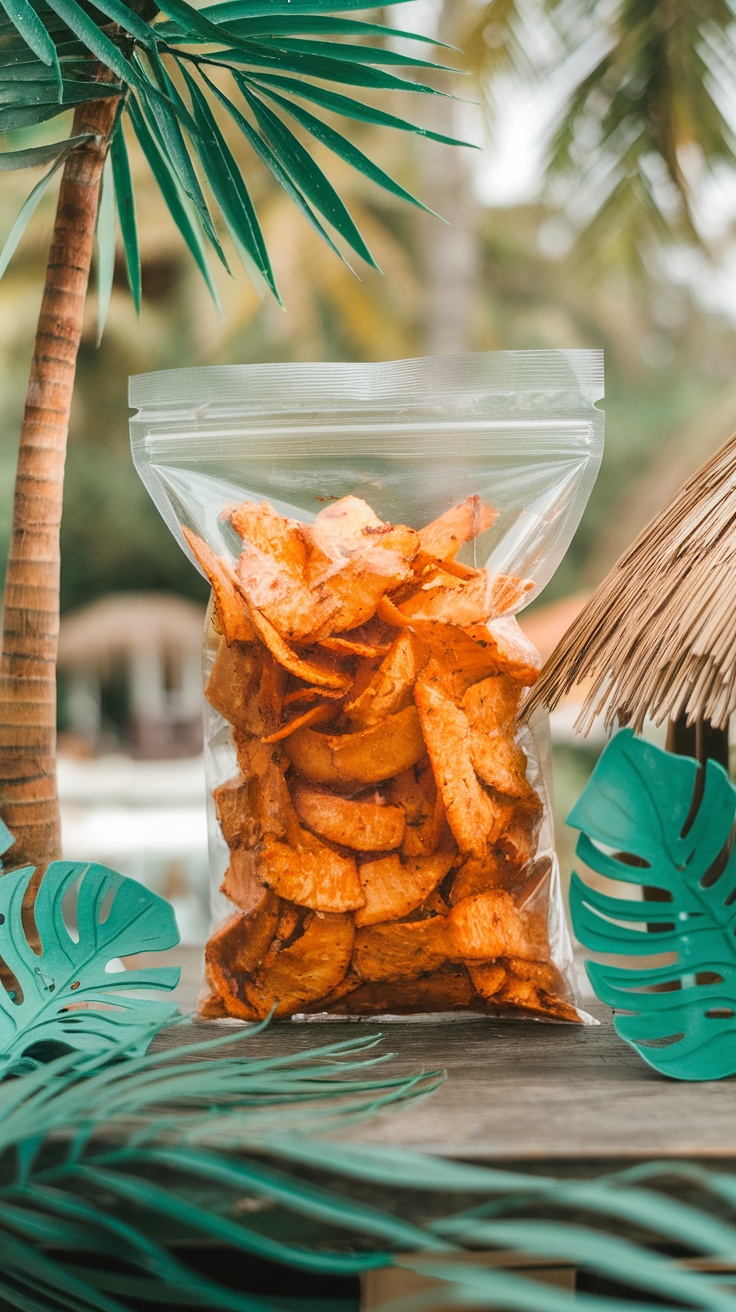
(312, 694)
(401, 951)
(236, 950)
(232, 614)
(291, 921)
(243, 883)
(326, 1004)
(311, 874)
(315, 715)
(493, 703)
(417, 793)
(426, 567)
(296, 611)
(463, 661)
(348, 644)
(509, 647)
(367, 826)
(269, 804)
(393, 887)
(390, 689)
(518, 837)
(229, 688)
(234, 813)
(389, 613)
(444, 536)
(367, 757)
(315, 669)
(356, 558)
(447, 989)
(339, 529)
(467, 602)
(526, 994)
(307, 970)
(542, 973)
(491, 707)
(473, 816)
(272, 534)
(487, 926)
(479, 874)
(488, 979)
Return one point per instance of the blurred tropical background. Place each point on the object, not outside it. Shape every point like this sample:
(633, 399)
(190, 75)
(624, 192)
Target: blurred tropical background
(595, 208)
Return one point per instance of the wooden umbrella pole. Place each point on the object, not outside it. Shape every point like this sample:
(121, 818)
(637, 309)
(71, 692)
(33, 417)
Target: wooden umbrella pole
(29, 802)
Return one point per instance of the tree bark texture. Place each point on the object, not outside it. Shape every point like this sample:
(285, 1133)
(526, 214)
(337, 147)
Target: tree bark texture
(29, 802)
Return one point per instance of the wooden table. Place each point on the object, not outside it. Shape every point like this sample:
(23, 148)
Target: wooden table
(556, 1096)
(553, 1099)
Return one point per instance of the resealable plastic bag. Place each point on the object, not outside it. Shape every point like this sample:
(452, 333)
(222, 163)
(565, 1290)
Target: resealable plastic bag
(380, 822)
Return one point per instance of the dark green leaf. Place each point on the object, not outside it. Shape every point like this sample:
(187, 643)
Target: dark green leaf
(331, 70)
(105, 247)
(126, 211)
(192, 20)
(75, 93)
(125, 17)
(353, 54)
(172, 194)
(35, 92)
(307, 175)
(264, 151)
(95, 40)
(679, 1016)
(32, 156)
(261, 8)
(243, 23)
(347, 107)
(170, 138)
(63, 994)
(345, 149)
(25, 215)
(228, 186)
(27, 22)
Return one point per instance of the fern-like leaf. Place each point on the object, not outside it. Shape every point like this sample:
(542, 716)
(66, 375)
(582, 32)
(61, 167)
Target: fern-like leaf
(639, 803)
(62, 996)
(49, 59)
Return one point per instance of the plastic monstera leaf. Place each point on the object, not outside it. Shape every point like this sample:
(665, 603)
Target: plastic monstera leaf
(681, 1017)
(63, 995)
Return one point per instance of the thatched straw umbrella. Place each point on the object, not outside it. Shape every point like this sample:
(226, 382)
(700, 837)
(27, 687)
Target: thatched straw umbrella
(658, 636)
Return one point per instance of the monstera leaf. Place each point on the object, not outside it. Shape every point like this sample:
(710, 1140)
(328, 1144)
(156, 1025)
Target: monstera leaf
(63, 993)
(680, 1013)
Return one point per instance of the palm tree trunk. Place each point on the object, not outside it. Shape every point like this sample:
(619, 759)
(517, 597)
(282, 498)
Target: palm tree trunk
(29, 802)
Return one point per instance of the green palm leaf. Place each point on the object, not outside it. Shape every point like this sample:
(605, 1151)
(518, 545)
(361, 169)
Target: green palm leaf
(308, 177)
(176, 200)
(264, 152)
(681, 1018)
(126, 209)
(340, 145)
(348, 107)
(28, 23)
(32, 156)
(272, 48)
(63, 995)
(229, 188)
(27, 210)
(105, 234)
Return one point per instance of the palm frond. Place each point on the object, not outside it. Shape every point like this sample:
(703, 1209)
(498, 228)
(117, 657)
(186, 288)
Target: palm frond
(248, 60)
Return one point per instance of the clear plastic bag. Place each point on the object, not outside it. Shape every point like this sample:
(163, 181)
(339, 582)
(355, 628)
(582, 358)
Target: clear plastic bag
(380, 823)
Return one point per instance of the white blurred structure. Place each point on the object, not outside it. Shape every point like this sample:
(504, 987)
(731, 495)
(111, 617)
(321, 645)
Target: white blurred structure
(148, 644)
(146, 819)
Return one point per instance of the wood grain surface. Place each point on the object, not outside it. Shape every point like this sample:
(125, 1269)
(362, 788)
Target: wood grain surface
(521, 1091)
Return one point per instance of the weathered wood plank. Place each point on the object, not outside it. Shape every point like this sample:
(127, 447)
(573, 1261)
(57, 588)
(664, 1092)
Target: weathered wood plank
(526, 1092)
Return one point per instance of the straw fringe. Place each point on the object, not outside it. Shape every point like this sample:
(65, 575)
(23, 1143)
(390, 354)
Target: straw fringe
(658, 636)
